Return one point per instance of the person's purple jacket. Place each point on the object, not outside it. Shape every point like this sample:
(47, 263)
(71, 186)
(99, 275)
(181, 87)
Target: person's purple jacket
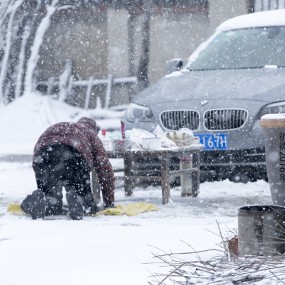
(83, 136)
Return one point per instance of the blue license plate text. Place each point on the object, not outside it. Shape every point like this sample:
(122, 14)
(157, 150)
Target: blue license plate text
(214, 141)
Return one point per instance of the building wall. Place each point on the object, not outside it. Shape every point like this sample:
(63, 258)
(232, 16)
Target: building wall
(222, 10)
(117, 34)
(80, 37)
(96, 42)
(172, 35)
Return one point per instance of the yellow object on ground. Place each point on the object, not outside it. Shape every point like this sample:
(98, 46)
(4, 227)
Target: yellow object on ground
(129, 209)
(15, 209)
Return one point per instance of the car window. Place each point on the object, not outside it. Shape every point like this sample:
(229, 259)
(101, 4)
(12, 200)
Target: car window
(243, 48)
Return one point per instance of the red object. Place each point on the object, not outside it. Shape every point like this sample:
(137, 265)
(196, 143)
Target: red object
(103, 133)
(123, 130)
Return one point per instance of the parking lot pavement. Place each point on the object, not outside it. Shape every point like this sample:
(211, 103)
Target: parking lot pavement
(16, 158)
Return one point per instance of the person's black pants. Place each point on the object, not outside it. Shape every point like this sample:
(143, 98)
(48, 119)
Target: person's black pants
(59, 166)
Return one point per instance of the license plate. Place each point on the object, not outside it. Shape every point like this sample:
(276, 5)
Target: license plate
(214, 141)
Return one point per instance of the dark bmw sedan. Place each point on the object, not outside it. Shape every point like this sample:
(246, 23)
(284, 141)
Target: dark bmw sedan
(229, 82)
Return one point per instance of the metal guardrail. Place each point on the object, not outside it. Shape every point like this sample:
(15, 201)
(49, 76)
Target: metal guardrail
(263, 5)
(66, 87)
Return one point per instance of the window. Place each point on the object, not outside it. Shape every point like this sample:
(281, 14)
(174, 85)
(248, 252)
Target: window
(244, 48)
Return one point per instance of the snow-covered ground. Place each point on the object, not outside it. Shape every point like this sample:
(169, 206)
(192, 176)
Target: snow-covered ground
(104, 249)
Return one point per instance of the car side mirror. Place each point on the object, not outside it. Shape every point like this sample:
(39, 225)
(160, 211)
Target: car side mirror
(174, 64)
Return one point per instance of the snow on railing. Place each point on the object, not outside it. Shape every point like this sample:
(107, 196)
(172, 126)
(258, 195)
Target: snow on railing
(66, 89)
(262, 5)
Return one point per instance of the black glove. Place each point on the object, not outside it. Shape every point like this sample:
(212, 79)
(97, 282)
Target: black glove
(109, 206)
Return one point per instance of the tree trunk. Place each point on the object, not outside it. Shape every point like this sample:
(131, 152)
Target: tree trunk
(131, 41)
(36, 45)
(142, 75)
(9, 17)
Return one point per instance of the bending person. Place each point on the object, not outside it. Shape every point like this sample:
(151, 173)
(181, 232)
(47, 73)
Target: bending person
(64, 156)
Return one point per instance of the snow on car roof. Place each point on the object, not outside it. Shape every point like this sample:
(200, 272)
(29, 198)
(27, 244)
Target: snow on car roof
(258, 19)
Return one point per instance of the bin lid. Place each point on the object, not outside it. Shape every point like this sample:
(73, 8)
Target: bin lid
(253, 209)
(273, 121)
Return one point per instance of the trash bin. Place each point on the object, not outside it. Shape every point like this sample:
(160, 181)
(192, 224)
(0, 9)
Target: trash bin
(261, 230)
(273, 126)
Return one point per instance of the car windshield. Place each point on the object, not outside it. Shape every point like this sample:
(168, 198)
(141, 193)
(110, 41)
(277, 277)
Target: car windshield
(243, 48)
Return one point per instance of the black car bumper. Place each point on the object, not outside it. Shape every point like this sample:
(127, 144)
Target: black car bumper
(236, 165)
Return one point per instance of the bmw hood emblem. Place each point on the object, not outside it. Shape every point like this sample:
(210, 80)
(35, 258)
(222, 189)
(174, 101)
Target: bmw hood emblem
(204, 102)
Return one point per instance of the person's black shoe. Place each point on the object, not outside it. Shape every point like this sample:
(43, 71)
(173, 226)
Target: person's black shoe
(90, 207)
(26, 204)
(37, 205)
(75, 206)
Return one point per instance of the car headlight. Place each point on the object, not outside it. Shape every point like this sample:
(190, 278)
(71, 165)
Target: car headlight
(139, 113)
(273, 108)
